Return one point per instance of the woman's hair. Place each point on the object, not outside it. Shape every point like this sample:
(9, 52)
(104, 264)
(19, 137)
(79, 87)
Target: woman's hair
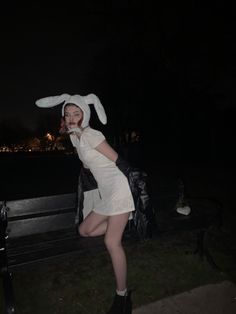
(63, 129)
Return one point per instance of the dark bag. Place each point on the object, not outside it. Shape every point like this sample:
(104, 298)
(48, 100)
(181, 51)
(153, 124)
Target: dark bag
(144, 219)
(123, 165)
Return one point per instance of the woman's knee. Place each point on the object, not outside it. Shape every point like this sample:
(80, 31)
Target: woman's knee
(111, 243)
(82, 231)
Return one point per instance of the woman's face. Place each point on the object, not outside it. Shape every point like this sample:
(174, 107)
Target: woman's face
(73, 116)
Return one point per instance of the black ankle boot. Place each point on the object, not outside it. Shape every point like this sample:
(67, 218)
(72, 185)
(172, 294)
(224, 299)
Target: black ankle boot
(121, 304)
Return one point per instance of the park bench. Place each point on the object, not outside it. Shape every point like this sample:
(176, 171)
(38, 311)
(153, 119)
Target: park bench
(37, 229)
(41, 228)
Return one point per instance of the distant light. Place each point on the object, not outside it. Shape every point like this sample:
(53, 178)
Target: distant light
(49, 137)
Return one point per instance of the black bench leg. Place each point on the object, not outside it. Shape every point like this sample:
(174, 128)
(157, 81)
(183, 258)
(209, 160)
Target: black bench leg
(203, 250)
(211, 260)
(8, 291)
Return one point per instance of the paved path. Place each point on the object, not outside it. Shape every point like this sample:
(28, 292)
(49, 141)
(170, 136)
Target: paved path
(210, 299)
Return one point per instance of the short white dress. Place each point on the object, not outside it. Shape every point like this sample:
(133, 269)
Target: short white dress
(113, 195)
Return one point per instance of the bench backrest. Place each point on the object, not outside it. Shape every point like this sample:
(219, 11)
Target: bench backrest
(40, 214)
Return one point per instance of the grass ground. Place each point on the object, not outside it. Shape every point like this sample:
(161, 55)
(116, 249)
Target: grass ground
(158, 268)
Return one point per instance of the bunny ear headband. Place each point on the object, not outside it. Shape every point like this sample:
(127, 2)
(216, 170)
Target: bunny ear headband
(82, 102)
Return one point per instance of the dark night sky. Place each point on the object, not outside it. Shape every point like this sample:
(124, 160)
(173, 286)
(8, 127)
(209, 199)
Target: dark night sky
(176, 58)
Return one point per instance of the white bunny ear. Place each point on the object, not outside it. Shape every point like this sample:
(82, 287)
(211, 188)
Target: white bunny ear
(93, 99)
(51, 101)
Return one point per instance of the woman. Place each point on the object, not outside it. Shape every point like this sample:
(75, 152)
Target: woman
(114, 201)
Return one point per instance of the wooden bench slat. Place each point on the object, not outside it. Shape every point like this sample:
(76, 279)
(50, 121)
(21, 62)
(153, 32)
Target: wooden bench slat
(36, 225)
(40, 204)
(51, 249)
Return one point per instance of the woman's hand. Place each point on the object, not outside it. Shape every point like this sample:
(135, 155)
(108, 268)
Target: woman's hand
(75, 131)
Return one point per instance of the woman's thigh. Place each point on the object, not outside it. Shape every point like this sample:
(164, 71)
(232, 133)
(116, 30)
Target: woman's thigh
(115, 227)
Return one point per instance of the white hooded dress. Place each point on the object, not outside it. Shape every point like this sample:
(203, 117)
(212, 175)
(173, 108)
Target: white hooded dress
(113, 195)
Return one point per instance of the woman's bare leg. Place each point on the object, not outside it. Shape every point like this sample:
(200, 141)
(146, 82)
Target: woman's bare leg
(113, 237)
(113, 227)
(93, 225)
